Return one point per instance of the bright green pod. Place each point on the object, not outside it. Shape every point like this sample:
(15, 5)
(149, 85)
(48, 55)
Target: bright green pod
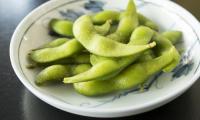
(61, 27)
(108, 67)
(64, 27)
(77, 69)
(128, 22)
(166, 44)
(103, 29)
(132, 76)
(82, 58)
(135, 74)
(105, 15)
(62, 47)
(46, 55)
(100, 45)
(56, 73)
(173, 36)
(115, 16)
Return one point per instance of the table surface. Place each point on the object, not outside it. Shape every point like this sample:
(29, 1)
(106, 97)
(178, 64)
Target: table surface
(17, 103)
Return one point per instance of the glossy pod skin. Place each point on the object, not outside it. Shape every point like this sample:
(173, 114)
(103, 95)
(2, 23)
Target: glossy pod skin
(103, 29)
(128, 21)
(105, 15)
(63, 47)
(108, 67)
(64, 27)
(100, 45)
(132, 76)
(166, 44)
(82, 58)
(173, 36)
(56, 73)
(52, 73)
(61, 27)
(77, 69)
(46, 55)
(102, 16)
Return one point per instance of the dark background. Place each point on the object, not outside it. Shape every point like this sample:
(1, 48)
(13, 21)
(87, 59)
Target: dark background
(17, 103)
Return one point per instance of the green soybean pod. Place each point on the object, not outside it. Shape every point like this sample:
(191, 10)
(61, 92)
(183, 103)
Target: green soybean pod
(173, 36)
(56, 73)
(166, 44)
(142, 35)
(103, 29)
(61, 27)
(102, 16)
(82, 58)
(77, 69)
(51, 54)
(132, 76)
(64, 27)
(105, 15)
(101, 45)
(52, 73)
(128, 22)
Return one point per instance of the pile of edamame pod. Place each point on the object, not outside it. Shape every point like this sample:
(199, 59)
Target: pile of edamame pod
(107, 52)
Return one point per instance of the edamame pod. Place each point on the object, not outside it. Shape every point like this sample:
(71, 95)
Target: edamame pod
(101, 17)
(166, 44)
(56, 73)
(165, 39)
(82, 58)
(103, 29)
(64, 27)
(100, 45)
(77, 69)
(128, 22)
(132, 76)
(108, 67)
(51, 54)
(173, 36)
(52, 73)
(62, 48)
(105, 15)
(61, 27)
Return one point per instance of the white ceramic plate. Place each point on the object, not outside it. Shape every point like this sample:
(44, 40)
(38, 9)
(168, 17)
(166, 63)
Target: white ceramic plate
(162, 88)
